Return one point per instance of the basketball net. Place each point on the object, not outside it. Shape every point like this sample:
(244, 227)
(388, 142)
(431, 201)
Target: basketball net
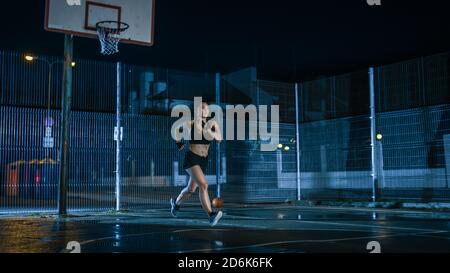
(109, 43)
(109, 35)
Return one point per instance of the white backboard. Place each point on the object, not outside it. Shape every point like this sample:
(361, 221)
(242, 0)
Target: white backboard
(79, 17)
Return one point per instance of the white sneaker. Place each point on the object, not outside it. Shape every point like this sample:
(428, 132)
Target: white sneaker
(215, 217)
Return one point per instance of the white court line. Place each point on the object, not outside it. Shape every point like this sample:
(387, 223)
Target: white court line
(259, 227)
(331, 223)
(200, 221)
(337, 223)
(349, 210)
(142, 234)
(194, 230)
(112, 237)
(392, 211)
(301, 241)
(372, 226)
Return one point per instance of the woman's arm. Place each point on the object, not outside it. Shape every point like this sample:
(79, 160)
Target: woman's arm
(178, 135)
(214, 131)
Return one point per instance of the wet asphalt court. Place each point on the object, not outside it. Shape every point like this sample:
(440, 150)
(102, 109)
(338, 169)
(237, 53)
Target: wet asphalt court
(249, 229)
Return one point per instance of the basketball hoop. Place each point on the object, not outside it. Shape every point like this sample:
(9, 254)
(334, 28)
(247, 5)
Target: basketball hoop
(109, 35)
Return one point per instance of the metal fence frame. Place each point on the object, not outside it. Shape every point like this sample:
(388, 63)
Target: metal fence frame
(331, 153)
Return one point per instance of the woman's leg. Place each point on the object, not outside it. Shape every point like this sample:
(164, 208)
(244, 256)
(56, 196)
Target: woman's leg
(186, 192)
(197, 175)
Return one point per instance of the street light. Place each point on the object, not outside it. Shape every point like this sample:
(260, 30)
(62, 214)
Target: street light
(379, 136)
(29, 58)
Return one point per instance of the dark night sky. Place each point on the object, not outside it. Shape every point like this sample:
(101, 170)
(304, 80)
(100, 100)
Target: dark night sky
(286, 40)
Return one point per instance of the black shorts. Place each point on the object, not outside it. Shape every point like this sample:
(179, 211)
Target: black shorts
(191, 159)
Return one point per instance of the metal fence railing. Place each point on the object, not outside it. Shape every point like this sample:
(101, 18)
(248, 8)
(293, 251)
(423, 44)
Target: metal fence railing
(412, 102)
(411, 159)
(335, 159)
(29, 171)
(262, 176)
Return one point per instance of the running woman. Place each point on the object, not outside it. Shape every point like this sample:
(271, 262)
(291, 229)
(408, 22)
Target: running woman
(196, 162)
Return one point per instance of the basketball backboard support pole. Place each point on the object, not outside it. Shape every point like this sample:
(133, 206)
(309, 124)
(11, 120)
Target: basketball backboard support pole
(374, 161)
(65, 125)
(119, 136)
(297, 141)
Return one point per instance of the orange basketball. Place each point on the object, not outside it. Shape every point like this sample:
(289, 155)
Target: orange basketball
(217, 202)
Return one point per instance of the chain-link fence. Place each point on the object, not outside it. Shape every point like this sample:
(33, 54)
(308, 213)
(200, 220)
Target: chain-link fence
(413, 105)
(254, 175)
(331, 156)
(411, 149)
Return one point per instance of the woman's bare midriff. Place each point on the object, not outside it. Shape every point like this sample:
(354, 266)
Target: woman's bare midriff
(199, 149)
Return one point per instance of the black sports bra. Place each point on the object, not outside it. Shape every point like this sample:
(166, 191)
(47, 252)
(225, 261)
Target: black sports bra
(203, 141)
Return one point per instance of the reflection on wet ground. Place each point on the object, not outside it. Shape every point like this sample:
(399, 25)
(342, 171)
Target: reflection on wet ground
(243, 229)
